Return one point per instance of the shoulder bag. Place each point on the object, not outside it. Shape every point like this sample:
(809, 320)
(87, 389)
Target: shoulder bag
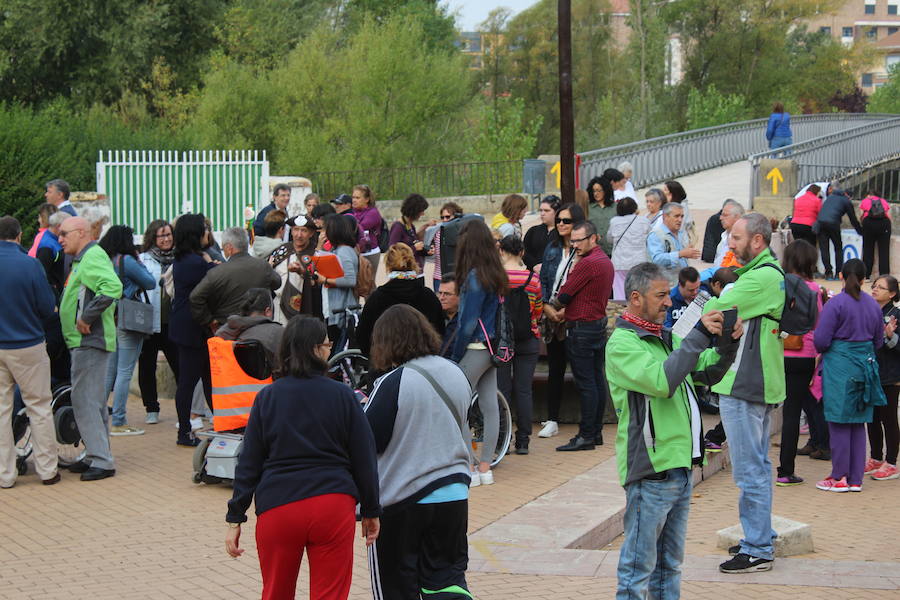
(133, 315)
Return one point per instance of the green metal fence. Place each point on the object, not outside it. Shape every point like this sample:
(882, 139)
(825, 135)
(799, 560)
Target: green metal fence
(145, 185)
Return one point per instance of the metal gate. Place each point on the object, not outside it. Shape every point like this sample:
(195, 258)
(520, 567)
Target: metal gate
(145, 185)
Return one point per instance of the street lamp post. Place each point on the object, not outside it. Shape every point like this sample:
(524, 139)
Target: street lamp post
(566, 119)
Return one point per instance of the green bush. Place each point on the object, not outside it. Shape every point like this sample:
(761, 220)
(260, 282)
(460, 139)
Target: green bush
(56, 141)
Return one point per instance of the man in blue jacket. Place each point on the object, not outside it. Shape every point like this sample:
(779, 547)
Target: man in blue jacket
(28, 301)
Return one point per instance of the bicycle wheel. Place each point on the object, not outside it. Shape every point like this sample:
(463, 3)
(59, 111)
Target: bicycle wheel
(349, 367)
(70, 448)
(476, 423)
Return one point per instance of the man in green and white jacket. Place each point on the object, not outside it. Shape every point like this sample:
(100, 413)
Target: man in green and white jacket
(752, 388)
(651, 375)
(87, 315)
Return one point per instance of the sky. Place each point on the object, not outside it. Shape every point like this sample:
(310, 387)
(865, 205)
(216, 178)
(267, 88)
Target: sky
(473, 12)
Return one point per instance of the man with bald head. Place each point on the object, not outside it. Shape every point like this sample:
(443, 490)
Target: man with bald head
(87, 314)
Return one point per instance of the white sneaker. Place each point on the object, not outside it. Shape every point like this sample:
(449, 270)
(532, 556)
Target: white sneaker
(476, 479)
(550, 429)
(152, 418)
(196, 424)
(487, 478)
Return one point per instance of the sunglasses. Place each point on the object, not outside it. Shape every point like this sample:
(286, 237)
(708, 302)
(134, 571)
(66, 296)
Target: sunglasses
(565, 221)
(446, 217)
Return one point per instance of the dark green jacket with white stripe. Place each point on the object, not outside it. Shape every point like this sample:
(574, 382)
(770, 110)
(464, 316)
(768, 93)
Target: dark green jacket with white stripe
(651, 381)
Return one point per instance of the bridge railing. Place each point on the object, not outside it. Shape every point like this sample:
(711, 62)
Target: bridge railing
(678, 154)
(847, 150)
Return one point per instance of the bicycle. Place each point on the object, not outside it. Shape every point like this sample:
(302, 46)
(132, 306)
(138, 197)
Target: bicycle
(476, 424)
(69, 447)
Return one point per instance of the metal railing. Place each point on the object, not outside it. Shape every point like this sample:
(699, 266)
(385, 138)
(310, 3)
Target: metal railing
(670, 156)
(435, 181)
(883, 178)
(851, 150)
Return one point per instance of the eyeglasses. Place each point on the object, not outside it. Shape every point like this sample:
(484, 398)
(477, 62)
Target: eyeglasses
(565, 221)
(574, 241)
(446, 294)
(446, 217)
(163, 235)
(63, 234)
(880, 287)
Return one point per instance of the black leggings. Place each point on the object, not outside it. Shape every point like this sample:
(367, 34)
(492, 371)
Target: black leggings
(877, 232)
(885, 420)
(556, 372)
(797, 373)
(147, 365)
(803, 232)
(193, 365)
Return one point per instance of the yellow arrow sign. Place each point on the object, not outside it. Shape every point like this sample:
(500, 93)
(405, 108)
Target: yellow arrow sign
(557, 169)
(776, 177)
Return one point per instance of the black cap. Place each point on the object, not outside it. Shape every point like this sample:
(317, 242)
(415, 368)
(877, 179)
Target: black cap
(342, 199)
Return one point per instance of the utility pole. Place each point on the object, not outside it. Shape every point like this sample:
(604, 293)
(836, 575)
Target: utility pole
(566, 119)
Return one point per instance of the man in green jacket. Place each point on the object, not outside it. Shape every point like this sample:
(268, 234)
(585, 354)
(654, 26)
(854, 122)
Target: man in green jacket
(651, 376)
(752, 388)
(87, 315)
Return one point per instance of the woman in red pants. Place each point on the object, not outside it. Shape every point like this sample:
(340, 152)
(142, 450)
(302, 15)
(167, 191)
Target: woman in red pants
(308, 458)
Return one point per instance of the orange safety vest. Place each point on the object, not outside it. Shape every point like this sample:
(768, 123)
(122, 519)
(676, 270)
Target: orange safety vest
(233, 391)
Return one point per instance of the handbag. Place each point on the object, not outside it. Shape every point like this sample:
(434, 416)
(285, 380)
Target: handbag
(134, 315)
(291, 302)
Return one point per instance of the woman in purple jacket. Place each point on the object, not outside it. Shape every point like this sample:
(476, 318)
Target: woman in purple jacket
(849, 331)
(370, 221)
(404, 230)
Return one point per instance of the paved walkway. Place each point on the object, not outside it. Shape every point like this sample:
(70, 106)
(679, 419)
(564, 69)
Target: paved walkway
(151, 533)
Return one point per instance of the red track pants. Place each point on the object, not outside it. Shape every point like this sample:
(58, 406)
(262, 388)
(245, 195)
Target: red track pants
(324, 526)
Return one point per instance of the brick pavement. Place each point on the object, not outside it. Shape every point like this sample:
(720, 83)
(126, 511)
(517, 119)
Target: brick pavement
(151, 533)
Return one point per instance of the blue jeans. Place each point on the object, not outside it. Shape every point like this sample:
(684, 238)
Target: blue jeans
(586, 349)
(747, 427)
(656, 516)
(119, 371)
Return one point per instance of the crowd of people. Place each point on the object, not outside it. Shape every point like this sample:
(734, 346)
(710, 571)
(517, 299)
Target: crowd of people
(501, 297)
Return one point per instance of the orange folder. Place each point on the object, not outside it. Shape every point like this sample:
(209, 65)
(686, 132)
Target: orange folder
(328, 265)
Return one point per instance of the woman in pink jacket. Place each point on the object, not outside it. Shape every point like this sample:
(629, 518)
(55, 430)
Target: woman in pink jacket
(806, 211)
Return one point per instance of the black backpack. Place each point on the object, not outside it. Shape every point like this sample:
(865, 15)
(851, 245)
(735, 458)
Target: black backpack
(449, 235)
(518, 309)
(801, 306)
(876, 209)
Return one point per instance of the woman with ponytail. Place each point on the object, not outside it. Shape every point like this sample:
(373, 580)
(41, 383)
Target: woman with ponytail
(850, 330)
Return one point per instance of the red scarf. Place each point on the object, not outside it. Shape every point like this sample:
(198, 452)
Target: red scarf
(654, 328)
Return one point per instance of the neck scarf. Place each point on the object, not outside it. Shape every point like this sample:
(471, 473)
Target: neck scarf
(403, 275)
(654, 328)
(163, 257)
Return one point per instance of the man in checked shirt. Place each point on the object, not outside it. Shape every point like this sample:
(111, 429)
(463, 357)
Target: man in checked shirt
(583, 298)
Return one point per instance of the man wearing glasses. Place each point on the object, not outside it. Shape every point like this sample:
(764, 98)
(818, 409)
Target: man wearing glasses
(87, 312)
(583, 298)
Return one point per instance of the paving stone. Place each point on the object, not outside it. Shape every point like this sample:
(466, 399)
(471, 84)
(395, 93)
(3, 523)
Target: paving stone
(793, 537)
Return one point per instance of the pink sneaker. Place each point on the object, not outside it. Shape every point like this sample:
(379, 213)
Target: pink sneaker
(833, 485)
(872, 465)
(887, 471)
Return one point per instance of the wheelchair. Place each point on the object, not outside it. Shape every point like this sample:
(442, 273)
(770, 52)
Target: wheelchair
(69, 447)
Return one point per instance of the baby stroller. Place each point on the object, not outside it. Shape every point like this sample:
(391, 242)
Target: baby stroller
(70, 449)
(239, 370)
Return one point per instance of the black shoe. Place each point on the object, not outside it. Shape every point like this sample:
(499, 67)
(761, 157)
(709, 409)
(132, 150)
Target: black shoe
(53, 480)
(598, 439)
(522, 450)
(734, 550)
(744, 563)
(96, 473)
(806, 450)
(79, 467)
(577, 443)
(192, 441)
(820, 454)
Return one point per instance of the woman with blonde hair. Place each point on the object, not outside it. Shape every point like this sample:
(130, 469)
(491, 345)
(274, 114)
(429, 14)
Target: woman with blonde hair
(507, 221)
(404, 286)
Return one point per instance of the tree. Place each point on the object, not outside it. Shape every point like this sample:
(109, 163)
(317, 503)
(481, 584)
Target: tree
(379, 98)
(886, 98)
(438, 27)
(503, 132)
(94, 50)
